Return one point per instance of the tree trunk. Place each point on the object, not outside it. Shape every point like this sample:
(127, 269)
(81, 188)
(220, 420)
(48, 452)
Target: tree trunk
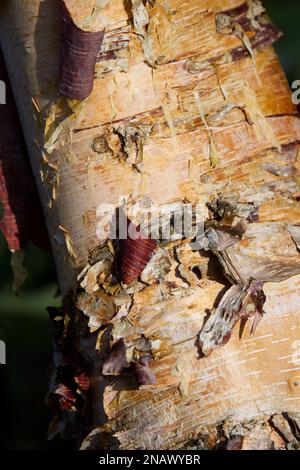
(189, 105)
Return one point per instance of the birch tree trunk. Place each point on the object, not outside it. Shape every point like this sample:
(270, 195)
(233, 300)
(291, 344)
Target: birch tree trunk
(189, 105)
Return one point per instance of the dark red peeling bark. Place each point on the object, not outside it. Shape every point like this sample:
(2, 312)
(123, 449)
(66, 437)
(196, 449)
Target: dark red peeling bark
(143, 374)
(78, 56)
(264, 34)
(22, 219)
(136, 252)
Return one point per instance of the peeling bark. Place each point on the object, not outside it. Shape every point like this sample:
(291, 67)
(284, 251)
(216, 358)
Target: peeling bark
(78, 55)
(18, 196)
(179, 112)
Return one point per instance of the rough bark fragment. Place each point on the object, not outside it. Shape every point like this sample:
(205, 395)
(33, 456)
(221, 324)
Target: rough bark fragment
(242, 259)
(237, 245)
(239, 303)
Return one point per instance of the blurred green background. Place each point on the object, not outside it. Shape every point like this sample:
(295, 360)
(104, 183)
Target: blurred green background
(24, 323)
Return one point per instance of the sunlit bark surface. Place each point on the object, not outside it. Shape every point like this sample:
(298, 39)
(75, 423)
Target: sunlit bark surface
(211, 111)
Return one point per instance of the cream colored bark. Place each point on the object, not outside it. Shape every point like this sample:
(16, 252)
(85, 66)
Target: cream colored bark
(219, 118)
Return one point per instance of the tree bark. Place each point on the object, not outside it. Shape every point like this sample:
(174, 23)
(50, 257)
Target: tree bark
(189, 105)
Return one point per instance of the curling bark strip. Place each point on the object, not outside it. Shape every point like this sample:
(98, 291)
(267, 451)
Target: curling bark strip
(136, 252)
(78, 56)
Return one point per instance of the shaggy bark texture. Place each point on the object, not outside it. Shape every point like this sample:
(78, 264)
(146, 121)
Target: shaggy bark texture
(189, 105)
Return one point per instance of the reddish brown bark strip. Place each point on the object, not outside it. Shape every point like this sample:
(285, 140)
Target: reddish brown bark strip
(267, 35)
(264, 31)
(136, 252)
(78, 56)
(22, 214)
